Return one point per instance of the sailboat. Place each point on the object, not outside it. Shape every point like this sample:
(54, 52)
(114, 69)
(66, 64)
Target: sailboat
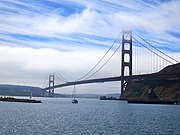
(74, 100)
(31, 95)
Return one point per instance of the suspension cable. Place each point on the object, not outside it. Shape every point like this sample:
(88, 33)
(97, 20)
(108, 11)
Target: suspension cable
(104, 63)
(62, 78)
(153, 52)
(45, 81)
(101, 58)
(157, 49)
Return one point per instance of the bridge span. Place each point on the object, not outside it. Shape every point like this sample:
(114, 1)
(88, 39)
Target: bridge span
(119, 78)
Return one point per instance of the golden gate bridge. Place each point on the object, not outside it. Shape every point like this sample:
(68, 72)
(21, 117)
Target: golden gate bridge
(128, 58)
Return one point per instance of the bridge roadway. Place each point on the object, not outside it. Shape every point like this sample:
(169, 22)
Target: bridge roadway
(119, 78)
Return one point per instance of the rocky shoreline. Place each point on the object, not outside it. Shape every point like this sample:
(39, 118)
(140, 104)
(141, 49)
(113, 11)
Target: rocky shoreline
(153, 102)
(12, 99)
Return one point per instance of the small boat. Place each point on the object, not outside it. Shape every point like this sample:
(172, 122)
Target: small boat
(31, 95)
(74, 100)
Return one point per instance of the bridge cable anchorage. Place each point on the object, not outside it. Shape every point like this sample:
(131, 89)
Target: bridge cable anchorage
(101, 58)
(157, 49)
(104, 63)
(153, 52)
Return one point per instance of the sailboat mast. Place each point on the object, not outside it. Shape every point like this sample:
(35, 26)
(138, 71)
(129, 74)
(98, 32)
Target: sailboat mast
(74, 100)
(74, 92)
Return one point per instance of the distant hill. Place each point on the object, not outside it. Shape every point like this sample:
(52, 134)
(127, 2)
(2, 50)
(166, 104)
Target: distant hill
(97, 95)
(16, 90)
(164, 89)
(77, 95)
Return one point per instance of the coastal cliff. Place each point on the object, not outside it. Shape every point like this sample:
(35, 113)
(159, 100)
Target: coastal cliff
(158, 89)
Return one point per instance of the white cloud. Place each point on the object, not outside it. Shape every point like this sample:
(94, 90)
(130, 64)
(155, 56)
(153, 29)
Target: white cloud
(29, 66)
(33, 62)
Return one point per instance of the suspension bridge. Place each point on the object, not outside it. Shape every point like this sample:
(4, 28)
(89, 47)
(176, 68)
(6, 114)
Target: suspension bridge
(130, 57)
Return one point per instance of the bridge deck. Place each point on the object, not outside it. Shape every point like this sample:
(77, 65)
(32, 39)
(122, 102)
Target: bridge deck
(119, 78)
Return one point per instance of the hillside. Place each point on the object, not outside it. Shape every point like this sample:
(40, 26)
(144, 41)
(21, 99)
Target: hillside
(161, 89)
(16, 90)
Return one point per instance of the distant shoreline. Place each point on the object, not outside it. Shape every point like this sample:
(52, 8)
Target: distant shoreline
(23, 100)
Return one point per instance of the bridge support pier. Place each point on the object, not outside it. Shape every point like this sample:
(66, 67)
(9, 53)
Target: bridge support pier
(126, 58)
(51, 84)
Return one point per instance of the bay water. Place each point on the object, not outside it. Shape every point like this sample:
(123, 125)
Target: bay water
(58, 116)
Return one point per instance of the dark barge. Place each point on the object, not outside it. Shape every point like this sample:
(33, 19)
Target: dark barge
(23, 100)
(108, 98)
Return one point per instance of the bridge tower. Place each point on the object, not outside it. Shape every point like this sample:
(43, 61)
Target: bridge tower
(51, 84)
(126, 58)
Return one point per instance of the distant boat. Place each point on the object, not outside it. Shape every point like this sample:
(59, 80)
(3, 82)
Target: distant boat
(31, 95)
(74, 100)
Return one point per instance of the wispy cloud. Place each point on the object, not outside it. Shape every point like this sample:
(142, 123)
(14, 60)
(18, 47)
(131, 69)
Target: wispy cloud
(100, 18)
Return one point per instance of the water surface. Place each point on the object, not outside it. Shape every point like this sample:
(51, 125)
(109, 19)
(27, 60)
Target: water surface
(56, 116)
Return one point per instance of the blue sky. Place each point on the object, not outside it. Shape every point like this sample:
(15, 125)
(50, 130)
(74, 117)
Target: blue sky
(56, 31)
(73, 22)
